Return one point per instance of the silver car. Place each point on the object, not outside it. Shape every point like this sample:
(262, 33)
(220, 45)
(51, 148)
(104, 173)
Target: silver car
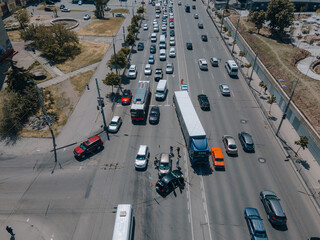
(169, 68)
(225, 90)
(115, 124)
(230, 145)
(203, 65)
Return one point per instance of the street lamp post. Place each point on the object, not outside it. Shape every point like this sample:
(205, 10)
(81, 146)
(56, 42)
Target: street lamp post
(101, 104)
(287, 107)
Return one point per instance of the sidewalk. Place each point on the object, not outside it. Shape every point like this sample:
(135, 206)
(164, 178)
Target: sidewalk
(307, 168)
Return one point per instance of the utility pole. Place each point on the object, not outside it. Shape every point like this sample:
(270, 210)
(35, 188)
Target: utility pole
(49, 125)
(254, 64)
(235, 36)
(222, 21)
(101, 104)
(115, 56)
(124, 35)
(287, 107)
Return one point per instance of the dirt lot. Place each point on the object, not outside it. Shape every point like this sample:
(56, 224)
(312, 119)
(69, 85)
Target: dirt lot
(280, 59)
(102, 28)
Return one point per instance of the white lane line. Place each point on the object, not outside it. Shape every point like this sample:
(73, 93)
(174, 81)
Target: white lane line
(188, 193)
(206, 215)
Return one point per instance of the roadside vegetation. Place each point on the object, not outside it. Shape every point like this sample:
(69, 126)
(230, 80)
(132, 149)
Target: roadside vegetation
(280, 57)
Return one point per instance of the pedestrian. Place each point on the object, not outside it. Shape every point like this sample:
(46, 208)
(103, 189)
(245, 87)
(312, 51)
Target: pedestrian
(178, 160)
(88, 86)
(178, 151)
(10, 230)
(265, 89)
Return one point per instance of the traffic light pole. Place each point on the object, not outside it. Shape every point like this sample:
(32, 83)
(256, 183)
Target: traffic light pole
(101, 104)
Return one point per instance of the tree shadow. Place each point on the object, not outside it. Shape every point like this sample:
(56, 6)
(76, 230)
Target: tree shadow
(304, 163)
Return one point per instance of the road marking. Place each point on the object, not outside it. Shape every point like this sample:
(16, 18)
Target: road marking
(206, 215)
(28, 220)
(188, 194)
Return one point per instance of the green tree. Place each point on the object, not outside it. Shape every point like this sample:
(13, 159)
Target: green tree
(22, 17)
(271, 100)
(120, 60)
(56, 42)
(125, 50)
(132, 28)
(280, 13)
(130, 38)
(20, 100)
(99, 11)
(112, 79)
(140, 10)
(302, 142)
(258, 18)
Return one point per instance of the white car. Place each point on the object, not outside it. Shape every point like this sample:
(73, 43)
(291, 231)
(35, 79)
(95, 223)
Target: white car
(171, 25)
(203, 65)
(65, 10)
(147, 69)
(179, 3)
(86, 17)
(142, 157)
(169, 68)
(163, 27)
(155, 29)
(184, 87)
(155, 21)
(115, 124)
(145, 27)
(132, 73)
(172, 41)
(157, 15)
(172, 52)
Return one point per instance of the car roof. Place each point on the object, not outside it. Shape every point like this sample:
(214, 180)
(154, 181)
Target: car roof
(277, 208)
(230, 139)
(247, 137)
(164, 157)
(115, 118)
(93, 139)
(258, 224)
(171, 175)
(142, 149)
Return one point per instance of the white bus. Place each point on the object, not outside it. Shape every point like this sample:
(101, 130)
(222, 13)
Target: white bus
(140, 101)
(162, 42)
(123, 227)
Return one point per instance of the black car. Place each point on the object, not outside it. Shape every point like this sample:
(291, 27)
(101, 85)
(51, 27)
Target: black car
(49, 2)
(172, 33)
(193, 6)
(189, 45)
(140, 46)
(246, 141)
(204, 38)
(153, 48)
(170, 181)
(62, 6)
(154, 115)
(204, 102)
(273, 208)
(164, 33)
(200, 25)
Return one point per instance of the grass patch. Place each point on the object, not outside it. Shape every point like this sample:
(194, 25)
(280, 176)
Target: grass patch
(91, 52)
(52, 7)
(14, 36)
(101, 28)
(66, 96)
(119, 10)
(280, 59)
(80, 81)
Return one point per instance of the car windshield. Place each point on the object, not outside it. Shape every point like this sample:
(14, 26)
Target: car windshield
(132, 70)
(226, 89)
(113, 124)
(219, 159)
(141, 157)
(126, 94)
(261, 234)
(153, 114)
(83, 146)
(271, 197)
(232, 146)
(164, 166)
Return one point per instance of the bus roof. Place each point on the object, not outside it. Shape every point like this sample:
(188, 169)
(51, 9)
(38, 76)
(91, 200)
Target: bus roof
(122, 226)
(140, 95)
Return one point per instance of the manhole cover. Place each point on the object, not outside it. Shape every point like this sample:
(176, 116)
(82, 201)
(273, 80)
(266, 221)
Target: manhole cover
(261, 160)
(243, 121)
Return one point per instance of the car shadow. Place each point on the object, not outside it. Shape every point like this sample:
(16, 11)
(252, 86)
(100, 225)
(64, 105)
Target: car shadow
(203, 170)
(280, 227)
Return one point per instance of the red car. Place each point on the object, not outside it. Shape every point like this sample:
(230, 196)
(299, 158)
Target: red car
(126, 97)
(88, 147)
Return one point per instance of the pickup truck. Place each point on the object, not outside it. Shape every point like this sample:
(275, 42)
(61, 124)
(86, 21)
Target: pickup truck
(158, 74)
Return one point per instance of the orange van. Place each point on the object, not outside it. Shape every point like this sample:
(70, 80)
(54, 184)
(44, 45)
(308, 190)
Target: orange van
(217, 158)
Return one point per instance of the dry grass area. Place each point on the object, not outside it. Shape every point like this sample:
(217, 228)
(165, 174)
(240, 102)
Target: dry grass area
(35, 66)
(91, 52)
(102, 28)
(66, 96)
(119, 10)
(280, 59)
(14, 36)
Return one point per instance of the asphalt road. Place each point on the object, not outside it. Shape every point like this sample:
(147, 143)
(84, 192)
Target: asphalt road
(78, 201)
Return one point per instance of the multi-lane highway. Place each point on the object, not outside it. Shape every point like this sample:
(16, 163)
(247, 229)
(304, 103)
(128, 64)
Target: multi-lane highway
(78, 202)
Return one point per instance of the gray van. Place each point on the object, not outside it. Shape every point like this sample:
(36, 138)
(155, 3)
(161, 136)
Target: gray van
(165, 164)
